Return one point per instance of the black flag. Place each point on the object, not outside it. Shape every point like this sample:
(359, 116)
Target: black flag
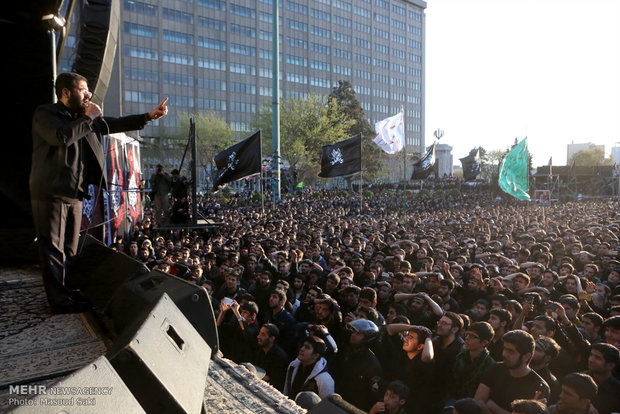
(238, 161)
(424, 166)
(342, 158)
(471, 165)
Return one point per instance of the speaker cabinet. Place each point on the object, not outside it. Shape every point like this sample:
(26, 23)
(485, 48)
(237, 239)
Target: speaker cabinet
(163, 361)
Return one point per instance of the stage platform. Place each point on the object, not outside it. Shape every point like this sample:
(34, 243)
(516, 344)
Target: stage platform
(39, 348)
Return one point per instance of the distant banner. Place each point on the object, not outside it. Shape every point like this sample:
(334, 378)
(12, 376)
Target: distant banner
(513, 172)
(471, 165)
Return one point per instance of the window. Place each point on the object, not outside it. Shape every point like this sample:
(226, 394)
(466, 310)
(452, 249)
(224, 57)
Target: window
(362, 59)
(178, 58)
(319, 48)
(296, 94)
(343, 54)
(296, 60)
(297, 25)
(399, 25)
(265, 73)
(211, 64)
(414, 71)
(399, 10)
(140, 52)
(414, 44)
(265, 91)
(383, 64)
(341, 37)
(319, 31)
(381, 33)
(142, 97)
(363, 43)
(216, 84)
(412, 57)
(140, 30)
(216, 24)
(243, 88)
(178, 37)
(317, 64)
(415, 30)
(295, 42)
(415, 16)
(342, 70)
(363, 90)
(264, 35)
(181, 100)
(398, 53)
(242, 11)
(381, 48)
(382, 3)
(382, 18)
(360, 11)
(320, 14)
(242, 49)
(177, 15)
(377, 77)
(323, 83)
(399, 39)
(139, 74)
(399, 68)
(211, 43)
(178, 79)
(140, 7)
(380, 93)
(296, 78)
(361, 27)
(242, 30)
(362, 74)
(239, 126)
(296, 7)
(213, 4)
(397, 82)
(242, 69)
(214, 104)
(414, 85)
(340, 4)
(342, 21)
(242, 107)
(265, 17)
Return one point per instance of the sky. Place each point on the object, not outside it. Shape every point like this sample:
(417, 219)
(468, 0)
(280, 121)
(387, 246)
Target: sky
(497, 70)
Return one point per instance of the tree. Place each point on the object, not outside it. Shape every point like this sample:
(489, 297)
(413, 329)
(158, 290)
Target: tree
(305, 126)
(591, 157)
(372, 155)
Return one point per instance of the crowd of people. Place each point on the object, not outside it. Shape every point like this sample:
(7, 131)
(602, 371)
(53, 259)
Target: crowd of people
(467, 304)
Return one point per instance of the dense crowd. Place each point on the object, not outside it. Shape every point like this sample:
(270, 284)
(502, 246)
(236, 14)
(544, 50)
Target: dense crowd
(468, 302)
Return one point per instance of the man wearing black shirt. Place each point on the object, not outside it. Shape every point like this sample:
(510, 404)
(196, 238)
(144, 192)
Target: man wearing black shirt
(270, 356)
(511, 379)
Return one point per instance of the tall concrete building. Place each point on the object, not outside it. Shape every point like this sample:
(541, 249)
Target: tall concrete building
(216, 55)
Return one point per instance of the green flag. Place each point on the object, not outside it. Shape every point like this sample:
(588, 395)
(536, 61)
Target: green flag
(513, 173)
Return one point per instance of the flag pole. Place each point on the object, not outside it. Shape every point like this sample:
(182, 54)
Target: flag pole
(402, 108)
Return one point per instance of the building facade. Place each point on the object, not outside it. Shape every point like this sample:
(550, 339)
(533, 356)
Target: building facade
(216, 55)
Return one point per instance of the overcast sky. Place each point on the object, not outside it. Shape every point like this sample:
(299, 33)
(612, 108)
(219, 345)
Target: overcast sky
(545, 69)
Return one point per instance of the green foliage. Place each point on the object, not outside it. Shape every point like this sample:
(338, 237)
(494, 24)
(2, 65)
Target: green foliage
(305, 126)
(227, 191)
(343, 193)
(316, 195)
(424, 193)
(368, 193)
(439, 194)
(591, 157)
(454, 193)
(257, 197)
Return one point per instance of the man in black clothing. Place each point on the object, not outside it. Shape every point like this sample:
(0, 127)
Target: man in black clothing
(67, 157)
(271, 357)
(447, 344)
(283, 320)
(512, 379)
(546, 351)
(601, 363)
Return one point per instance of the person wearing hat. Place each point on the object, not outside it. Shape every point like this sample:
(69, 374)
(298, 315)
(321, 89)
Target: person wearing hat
(357, 370)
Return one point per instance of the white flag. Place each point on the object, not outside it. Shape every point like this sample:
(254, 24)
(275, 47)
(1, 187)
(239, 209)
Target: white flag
(391, 134)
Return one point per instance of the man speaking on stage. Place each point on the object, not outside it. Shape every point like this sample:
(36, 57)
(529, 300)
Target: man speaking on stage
(67, 156)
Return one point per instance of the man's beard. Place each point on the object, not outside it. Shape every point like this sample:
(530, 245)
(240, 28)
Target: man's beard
(77, 104)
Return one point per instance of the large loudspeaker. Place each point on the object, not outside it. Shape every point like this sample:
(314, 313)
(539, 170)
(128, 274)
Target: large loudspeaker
(97, 42)
(334, 404)
(124, 290)
(163, 360)
(142, 291)
(94, 388)
(99, 271)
